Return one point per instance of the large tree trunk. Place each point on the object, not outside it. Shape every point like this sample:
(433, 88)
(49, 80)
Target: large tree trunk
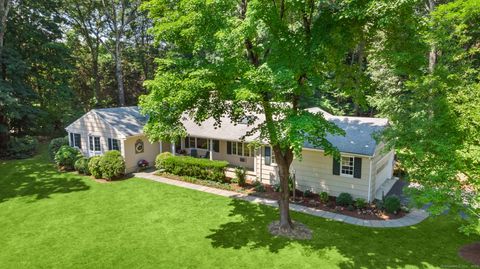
(4, 133)
(119, 72)
(4, 9)
(283, 163)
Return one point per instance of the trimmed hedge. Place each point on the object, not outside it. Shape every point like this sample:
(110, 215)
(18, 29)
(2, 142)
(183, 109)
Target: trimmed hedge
(94, 166)
(66, 157)
(112, 165)
(160, 158)
(81, 165)
(55, 144)
(194, 167)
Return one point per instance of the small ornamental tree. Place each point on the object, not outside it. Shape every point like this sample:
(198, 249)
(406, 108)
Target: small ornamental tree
(231, 58)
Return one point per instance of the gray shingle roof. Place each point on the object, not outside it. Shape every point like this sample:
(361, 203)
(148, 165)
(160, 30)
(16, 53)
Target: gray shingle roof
(358, 138)
(126, 120)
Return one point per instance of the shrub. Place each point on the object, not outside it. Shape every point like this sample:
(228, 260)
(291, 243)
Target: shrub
(344, 199)
(360, 203)
(81, 165)
(308, 193)
(392, 204)
(200, 168)
(55, 145)
(20, 147)
(112, 164)
(160, 158)
(241, 175)
(66, 157)
(94, 166)
(276, 187)
(323, 197)
(259, 187)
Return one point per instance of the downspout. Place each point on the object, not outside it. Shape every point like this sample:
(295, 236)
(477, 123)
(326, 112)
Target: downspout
(370, 181)
(261, 165)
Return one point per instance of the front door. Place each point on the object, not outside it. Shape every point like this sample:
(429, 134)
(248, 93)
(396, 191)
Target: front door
(94, 145)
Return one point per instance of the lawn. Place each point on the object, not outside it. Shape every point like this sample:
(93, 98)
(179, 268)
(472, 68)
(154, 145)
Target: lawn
(62, 220)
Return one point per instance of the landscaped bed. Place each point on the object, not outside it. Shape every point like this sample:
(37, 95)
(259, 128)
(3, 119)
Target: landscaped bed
(369, 212)
(52, 219)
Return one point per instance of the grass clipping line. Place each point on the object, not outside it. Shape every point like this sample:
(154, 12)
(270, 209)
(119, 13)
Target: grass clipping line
(299, 231)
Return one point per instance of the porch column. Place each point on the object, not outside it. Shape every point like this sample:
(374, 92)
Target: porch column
(161, 146)
(173, 147)
(211, 149)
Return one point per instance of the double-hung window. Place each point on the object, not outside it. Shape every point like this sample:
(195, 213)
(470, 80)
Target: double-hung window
(94, 145)
(113, 144)
(201, 143)
(347, 166)
(75, 140)
(269, 156)
(239, 148)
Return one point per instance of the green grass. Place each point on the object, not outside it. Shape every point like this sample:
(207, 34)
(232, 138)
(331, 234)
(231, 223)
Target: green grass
(63, 220)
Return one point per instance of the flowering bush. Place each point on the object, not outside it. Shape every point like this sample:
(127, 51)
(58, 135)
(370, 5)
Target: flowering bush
(142, 163)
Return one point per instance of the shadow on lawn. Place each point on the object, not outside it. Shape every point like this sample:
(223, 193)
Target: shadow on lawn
(35, 177)
(357, 246)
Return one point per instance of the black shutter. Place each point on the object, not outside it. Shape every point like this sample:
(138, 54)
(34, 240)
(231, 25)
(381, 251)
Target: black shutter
(216, 145)
(336, 167)
(229, 147)
(357, 168)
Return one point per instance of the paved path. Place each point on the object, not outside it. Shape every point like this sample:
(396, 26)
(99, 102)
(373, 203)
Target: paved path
(412, 218)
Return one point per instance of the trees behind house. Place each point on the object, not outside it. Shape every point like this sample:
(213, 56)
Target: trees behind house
(415, 62)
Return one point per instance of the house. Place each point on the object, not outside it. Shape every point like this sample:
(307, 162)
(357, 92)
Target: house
(365, 169)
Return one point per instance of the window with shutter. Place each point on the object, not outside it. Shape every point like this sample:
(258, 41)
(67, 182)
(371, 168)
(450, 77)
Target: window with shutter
(229, 147)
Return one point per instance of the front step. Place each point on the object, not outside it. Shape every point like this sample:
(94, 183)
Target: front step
(385, 188)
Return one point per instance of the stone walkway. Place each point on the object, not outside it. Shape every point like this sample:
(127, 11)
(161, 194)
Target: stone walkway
(414, 217)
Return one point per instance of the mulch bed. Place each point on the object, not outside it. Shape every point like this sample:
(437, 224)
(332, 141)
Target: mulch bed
(368, 213)
(471, 253)
(299, 231)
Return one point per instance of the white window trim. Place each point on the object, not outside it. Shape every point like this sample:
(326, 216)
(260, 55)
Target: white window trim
(118, 143)
(94, 152)
(353, 166)
(241, 145)
(272, 156)
(71, 137)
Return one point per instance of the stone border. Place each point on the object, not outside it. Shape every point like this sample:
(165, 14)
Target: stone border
(414, 217)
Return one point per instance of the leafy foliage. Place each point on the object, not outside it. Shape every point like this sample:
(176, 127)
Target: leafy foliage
(360, 203)
(20, 148)
(66, 157)
(94, 166)
(112, 165)
(160, 158)
(432, 103)
(241, 175)
(55, 144)
(392, 204)
(344, 199)
(195, 167)
(81, 165)
(323, 197)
